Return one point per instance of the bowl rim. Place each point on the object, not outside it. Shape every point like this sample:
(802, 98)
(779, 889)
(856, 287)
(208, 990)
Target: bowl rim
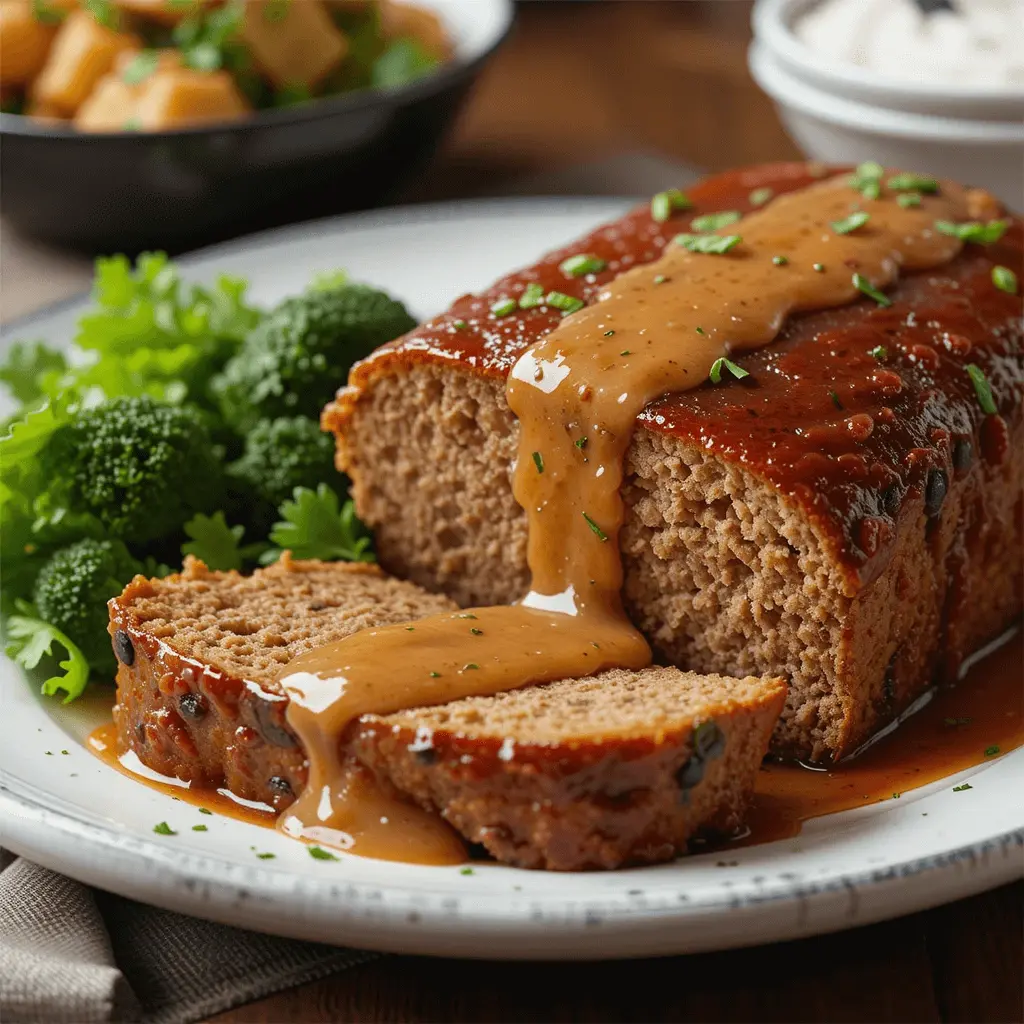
(784, 88)
(388, 97)
(772, 23)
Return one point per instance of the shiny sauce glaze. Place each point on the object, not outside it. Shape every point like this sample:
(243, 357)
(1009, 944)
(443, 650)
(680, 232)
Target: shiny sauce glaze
(960, 727)
(659, 328)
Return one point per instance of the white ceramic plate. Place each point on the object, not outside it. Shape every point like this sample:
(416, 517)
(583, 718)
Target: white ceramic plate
(71, 813)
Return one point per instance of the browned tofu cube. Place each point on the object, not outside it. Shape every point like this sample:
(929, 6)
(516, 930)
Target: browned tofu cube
(180, 97)
(293, 42)
(82, 53)
(400, 19)
(24, 42)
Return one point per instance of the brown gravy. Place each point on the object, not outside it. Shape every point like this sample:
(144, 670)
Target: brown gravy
(655, 329)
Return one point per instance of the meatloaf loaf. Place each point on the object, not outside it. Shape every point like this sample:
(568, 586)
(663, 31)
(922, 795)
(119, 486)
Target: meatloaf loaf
(619, 768)
(848, 516)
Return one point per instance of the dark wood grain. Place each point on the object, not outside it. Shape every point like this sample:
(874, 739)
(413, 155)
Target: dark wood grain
(578, 82)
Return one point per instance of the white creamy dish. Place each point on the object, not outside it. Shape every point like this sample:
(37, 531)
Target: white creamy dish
(979, 44)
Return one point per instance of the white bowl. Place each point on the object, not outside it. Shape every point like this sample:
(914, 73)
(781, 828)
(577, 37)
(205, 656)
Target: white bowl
(841, 115)
(773, 22)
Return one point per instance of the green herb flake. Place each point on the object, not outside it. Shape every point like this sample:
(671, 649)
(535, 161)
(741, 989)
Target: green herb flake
(466, 615)
(865, 287)
(664, 204)
(960, 789)
(908, 200)
(133, 124)
(1005, 280)
(140, 67)
(476, 632)
(410, 629)
(566, 303)
(714, 221)
(199, 828)
(581, 443)
(625, 352)
(163, 829)
(435, 675)
(466, 871)
(780, 261)
(582, 264)
(851, 223)
(913, 183)
(470, 666)
(982, 389)
(460, 325)
(835, 399)
(46, 14)
(760, 196)
(818, 268)
(538, 461)
(65, 752)
(715, 374)
(205, 810)
(867, 179)
(533, 296)
(504, 307)
(896, 796)
(271, 856)
(318, 853)
(597, 531)
(609, 334)
(710, 245)
(973, 231)
(660, 279)
(700, 330)
(992, 750)
(880, 352)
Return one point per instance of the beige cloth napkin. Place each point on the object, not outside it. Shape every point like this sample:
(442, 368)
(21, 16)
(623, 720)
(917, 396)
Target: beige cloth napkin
(72, 954)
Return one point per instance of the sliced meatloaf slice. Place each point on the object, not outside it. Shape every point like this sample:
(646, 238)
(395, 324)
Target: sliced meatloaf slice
(620, 768)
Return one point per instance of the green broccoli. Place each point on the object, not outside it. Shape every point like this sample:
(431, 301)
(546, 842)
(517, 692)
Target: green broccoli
(139, 467)
(72, 591)
(294, 360)
(281, 455)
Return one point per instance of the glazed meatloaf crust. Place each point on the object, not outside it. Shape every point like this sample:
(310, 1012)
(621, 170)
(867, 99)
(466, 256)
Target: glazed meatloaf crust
(849, 516)
(623, 767)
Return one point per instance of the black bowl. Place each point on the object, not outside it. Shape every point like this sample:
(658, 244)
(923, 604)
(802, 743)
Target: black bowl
(172, 190)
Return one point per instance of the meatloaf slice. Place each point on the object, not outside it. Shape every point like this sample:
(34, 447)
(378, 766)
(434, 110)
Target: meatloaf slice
(620, 768)
(849, 516)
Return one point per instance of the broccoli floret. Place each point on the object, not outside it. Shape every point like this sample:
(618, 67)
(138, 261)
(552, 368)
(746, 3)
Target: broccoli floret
(72, 591)
(283, 454)
(294, 360)
(140, 467)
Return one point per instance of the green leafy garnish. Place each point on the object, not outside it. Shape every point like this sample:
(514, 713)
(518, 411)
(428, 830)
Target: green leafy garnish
(880, 352)
(974, 231)
(533, 296)
(780, 261)
(104, 12)
(863, 285)
(913, 183)
(982, 389)
(163, 829)
(29, 640)
(140, 67)
(318, 853)
(566, 303)
(597, 531)
(214, 542)
(32, 370)
(715, 374)
(402, 62)
(199, 828)
(760, 196)
(908, 200)
(664, 204)
(315, 526)
(538, 461)
(46, 13)
(714, 221)
(504, 307)
(582, 264)
(867, 179)
(1005, 280)
(960, 789)
(714, 245)
(992, 750)
(851, 223)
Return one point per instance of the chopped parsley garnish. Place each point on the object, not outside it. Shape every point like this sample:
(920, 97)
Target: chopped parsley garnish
(982, 389)
(880, 352)
(533, 296)
(205, 810)
(581, 443)
(991, 751)
(271, 856)
(538, 461)
(199, 828)
(318, 853)
(625, 352)
(973, 230)
(1005, 280)
(140, 67)
(960, 789)
(867, 179)
(503, 307)
(714, 221)
(835, 399)
(912, 183)
(760, 196)
(664, 204)
(863, 285)
(715, 376)
(851, 223)
(435, 675)
(780, 261)
(700, 330)
(466, 871)
(460, 325)
(712, 245)
(466, 615)
(470, 666)
(896, 796)
(609, 334)
(660, 279)
(566, 303)
(598, 532)
(582, 263)
(476, 632)
(908, 199)
(410, 629)
(819, 267)
(163, 829)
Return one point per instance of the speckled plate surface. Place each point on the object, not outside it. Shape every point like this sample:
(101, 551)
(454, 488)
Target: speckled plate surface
(62, 807)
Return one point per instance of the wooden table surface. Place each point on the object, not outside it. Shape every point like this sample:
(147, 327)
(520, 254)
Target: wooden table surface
(577, 82)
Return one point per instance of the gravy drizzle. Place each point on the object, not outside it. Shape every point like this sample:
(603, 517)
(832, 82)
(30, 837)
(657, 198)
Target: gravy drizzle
(577, 393)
